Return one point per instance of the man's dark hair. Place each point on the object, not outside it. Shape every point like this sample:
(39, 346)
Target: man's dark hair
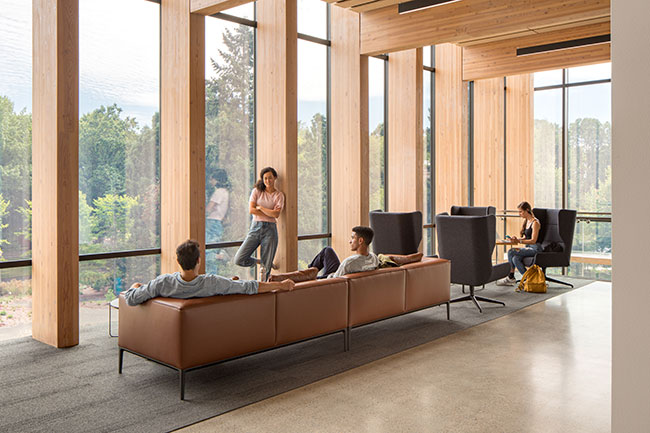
(366, 233)
(187, 254)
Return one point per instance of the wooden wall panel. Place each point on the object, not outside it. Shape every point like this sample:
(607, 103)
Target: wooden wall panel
(520, 174)
(405, 151)
(385, 30)
(182, 132)
(349, 151)
(488, 143)
(55, 158)
(450, 129)
(277, 107)
(497, 59)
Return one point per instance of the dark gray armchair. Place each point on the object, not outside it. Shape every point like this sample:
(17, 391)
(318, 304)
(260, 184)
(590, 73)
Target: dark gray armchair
(468, 241)
(557, 227)
(473, 210)
(396, 232)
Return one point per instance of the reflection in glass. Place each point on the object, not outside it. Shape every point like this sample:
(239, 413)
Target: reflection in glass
(376, 151)
(229, 133)
(312, 138)
(548, 78)
(308, 249)
(15, 130)
(119, 144)
(548, 148)
(312, 18)
(221, 261)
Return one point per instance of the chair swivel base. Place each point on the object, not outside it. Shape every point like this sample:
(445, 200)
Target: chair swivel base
(558, 281)
(475, 299)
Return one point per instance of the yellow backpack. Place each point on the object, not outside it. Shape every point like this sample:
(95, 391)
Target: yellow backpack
(533, 281)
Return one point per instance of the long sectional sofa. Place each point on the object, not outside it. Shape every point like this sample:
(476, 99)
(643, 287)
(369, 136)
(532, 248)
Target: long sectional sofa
(187, 334)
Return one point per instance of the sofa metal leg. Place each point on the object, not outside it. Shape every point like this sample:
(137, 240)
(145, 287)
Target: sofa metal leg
(181, 376)
(119, 368)
(346, 340)
(447, 310)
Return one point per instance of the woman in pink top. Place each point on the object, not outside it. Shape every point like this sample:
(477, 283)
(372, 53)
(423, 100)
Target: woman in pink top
(265, 205)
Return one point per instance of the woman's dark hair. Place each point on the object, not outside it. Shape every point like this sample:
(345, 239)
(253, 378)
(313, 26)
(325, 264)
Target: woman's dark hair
(187, 254)
(260, 183)
(526, 207)
(221, 177)
(365, 233)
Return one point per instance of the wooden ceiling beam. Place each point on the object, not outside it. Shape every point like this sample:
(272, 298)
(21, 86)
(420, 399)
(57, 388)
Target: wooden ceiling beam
(385, 30)
(209, 7)
(499, 58)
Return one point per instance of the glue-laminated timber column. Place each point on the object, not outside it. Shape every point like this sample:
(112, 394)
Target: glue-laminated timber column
(405, 132)
(277, 110)
(182, 130)
(349, 149)
(55, 159)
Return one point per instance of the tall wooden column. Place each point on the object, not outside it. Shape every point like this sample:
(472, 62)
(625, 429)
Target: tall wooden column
(55, 159)
(182, 130)
(349, 149)
(277, 110)
(451, 129)
(405, 134)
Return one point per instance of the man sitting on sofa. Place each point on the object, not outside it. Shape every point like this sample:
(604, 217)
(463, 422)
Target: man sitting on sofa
(362, 261)
(188, 283)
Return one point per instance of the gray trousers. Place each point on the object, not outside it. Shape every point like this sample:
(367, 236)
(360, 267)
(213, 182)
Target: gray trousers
(261, 234)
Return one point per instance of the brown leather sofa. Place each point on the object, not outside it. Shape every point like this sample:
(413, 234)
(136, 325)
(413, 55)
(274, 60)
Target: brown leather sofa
(186, 334)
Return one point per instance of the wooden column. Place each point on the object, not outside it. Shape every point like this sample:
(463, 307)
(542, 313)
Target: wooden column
(405, 152)
(349, 151)
(451, 129)
(182, 130)
(488, 143)
(520, 173)
(55, 158)
(277, 106)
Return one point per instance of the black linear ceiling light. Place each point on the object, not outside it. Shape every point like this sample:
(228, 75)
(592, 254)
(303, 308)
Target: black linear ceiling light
(593, 40)
(416, 5)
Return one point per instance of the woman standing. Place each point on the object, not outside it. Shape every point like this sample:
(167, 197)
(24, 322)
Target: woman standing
(529, 234)
(265, 205)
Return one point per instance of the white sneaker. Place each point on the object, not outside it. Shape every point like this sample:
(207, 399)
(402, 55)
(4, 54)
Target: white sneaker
(507, 281)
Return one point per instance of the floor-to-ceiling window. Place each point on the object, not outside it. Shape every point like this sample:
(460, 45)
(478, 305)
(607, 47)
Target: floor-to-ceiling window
(119, 146)
(428, 124)
(377, 117)
(15, 162)
(573, 158)
(229, 135)
(313, 128)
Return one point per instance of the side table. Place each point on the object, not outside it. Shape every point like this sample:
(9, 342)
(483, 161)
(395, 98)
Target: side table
(114, 304)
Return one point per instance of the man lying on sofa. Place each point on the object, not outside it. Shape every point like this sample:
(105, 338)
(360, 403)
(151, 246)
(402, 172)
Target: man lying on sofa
(363, 260)
(188, 283)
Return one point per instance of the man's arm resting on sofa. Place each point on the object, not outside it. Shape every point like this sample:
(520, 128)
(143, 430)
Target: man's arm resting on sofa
(282, 286)
(137, 293)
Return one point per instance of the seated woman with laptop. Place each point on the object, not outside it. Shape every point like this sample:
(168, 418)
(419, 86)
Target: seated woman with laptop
(529, 241)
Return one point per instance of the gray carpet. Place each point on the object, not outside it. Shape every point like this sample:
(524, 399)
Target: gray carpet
(79, 390)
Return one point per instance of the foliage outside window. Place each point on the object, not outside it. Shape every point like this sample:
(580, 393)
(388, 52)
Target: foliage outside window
(377, 140)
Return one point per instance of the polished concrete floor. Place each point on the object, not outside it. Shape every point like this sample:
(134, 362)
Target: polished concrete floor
(542, 369)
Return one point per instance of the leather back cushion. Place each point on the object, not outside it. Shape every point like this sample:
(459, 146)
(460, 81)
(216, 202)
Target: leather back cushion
(375, 295)
(313, 308)
(296, 276)
(427, 283)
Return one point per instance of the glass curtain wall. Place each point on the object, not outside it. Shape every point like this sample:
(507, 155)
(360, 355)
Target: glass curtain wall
(313, 129)
(573, 158)
(15, 159)
(229, 135)
(119, 143)
(377, 116)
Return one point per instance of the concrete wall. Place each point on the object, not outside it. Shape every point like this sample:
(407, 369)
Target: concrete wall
(631, 208)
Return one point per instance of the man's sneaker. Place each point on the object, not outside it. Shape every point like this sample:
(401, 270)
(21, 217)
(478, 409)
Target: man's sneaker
(507, 281)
